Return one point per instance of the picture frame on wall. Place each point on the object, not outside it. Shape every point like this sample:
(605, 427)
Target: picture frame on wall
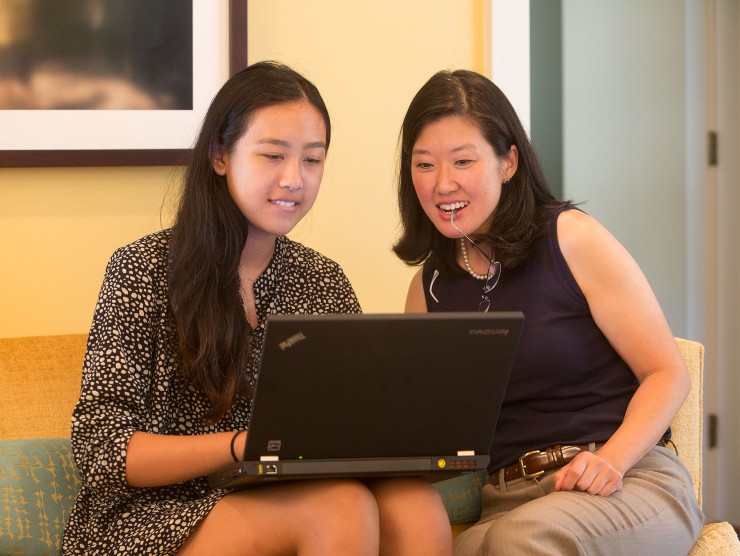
(88, 129)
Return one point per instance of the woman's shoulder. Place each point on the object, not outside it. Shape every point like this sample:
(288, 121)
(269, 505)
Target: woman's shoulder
(591, 252)
(154, 244)
(316, 282)
(305, 258)
(578, 229)
(146, 255)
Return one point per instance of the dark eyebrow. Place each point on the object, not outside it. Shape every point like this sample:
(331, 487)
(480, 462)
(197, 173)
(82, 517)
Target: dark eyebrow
(456, 149)
(282, 143)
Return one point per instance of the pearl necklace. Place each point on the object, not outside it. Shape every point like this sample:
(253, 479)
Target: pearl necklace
(466, 260)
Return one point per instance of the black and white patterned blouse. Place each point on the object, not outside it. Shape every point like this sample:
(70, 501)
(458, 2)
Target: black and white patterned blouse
(132, 382)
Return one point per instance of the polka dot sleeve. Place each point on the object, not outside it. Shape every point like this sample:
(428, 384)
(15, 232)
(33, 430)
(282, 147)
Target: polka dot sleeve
(114, 382)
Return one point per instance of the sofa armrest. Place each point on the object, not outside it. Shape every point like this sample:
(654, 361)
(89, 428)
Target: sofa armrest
(38, 487)
(717, 539)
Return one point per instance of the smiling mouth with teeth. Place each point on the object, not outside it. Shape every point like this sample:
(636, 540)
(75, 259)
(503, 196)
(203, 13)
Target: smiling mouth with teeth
(285, 203)
(448, 208)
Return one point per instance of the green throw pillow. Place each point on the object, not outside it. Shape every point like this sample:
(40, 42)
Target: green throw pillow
(462, 496)
(38, 487)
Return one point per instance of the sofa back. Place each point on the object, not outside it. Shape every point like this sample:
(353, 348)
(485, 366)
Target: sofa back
(687, 426)
(40, 384)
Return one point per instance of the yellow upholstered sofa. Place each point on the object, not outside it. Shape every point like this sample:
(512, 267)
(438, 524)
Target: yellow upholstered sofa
(39, 385)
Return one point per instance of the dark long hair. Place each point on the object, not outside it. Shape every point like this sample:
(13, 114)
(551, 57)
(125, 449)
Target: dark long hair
(209, 235)
(526, 200)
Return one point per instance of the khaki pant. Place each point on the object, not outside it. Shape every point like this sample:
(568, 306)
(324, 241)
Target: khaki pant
(654, 514)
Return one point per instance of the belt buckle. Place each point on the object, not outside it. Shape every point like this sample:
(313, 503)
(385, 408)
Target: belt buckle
(523, 466)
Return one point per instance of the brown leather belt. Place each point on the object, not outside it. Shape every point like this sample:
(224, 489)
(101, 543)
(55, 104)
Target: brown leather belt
(535, 463)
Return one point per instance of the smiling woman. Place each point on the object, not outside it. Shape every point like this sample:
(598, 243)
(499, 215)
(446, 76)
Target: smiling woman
(589, 403)
(174, 347)
(454, 167)
(284, 144)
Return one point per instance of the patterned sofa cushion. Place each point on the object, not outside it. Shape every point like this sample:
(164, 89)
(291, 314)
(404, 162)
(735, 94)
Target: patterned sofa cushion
(461, 496)
(38, 487)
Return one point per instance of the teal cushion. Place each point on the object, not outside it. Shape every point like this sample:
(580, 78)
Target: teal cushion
(38, 487)
(462, 496)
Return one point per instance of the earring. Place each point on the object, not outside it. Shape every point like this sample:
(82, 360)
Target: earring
(506, 180)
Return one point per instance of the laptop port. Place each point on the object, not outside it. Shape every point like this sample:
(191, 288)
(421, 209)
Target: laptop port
(271, 469)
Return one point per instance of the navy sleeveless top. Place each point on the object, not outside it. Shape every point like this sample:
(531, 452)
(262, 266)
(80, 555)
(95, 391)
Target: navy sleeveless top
(568, 385)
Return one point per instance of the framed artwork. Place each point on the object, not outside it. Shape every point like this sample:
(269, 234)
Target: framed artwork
(112, 82)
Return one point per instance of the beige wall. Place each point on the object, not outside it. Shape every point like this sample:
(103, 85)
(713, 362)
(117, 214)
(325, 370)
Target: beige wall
(59, 226)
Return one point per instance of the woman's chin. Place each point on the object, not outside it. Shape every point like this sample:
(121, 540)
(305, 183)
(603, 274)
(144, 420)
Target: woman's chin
(446, 230)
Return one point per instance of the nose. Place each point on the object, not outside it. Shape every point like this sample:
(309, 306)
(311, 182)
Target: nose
(445, 181)
(292, 178)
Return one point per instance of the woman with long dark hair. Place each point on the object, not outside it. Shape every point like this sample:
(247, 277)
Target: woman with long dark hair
(173, 349)
(579, 463)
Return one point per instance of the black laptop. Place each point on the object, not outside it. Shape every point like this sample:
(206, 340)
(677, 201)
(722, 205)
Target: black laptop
(375, 395)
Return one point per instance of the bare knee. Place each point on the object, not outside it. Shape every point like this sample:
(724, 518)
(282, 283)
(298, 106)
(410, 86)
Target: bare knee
(413, 519)
(341, 504)
(319, 517)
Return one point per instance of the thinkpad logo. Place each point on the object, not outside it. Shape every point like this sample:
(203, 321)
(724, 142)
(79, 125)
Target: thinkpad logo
(293, 340)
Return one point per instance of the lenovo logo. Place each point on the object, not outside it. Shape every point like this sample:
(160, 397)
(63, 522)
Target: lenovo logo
(488, 332)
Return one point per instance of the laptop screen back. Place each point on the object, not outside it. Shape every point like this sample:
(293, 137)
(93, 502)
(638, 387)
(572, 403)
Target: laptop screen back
(368, 386)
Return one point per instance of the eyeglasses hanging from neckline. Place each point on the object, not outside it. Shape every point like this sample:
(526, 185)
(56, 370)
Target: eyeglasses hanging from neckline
(494, 269)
